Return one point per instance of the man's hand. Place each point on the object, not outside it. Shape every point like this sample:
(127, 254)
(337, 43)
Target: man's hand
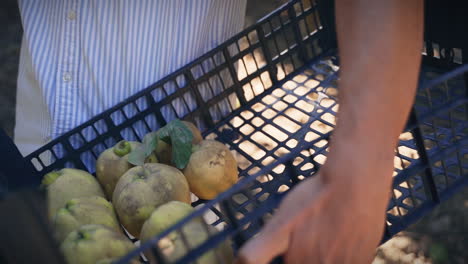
(338, 216)
(323, 221)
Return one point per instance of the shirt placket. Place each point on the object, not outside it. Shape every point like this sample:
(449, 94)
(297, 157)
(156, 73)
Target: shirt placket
(67, 95)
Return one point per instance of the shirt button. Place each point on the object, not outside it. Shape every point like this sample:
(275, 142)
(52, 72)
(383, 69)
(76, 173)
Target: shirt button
(66, 77)
(72, 15)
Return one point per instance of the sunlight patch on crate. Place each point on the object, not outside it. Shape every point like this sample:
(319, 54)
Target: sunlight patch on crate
(406, 136)
(258, 107)
(290, 99)
(311, 136)
(280, 72)
(297, 161)
(247, 115)
(264, 140)
(393, 211)
(266, 79)
(399, 163)
(264, 178)
(280, 106)
(404, 185)
(251, 65)
(403, 211)
(247, 129)
(330, 91)
(302, 90)
(289, 85)
(411, 201)
(257, 86)
(241, 70)
(269, 113)
(408, 152)
(269, 100)
(281, 151)
(275, 132)
(297, 115)
(287, 124)
(252, 149)
(279, 93)
(322, 143)
(397, 193)
(300, 78)
(327, 102)
(236, 122)
(304, 106)
(253, 170)
(307, 166)
(329, 118)
(292, 143)
(279, 169)
(259, 58)
(320, 158)
(283, 188)
(258, 122)
(321, 127)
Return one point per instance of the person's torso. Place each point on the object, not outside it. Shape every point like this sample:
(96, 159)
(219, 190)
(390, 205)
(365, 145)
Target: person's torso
(88, 55)
(81, 57)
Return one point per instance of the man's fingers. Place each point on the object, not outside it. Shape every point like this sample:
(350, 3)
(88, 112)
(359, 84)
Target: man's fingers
(300, 252)
(261, 249)
(274, 238)
(272, 241)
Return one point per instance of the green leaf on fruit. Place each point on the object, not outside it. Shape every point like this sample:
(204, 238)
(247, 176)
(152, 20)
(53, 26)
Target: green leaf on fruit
(150, 143)
(181, 140)
(175, 133)
(137, 156)
(182, 153)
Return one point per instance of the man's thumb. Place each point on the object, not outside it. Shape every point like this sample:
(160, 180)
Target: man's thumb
(272, 241)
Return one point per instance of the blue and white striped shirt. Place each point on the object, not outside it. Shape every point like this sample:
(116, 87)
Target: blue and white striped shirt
(80, 57)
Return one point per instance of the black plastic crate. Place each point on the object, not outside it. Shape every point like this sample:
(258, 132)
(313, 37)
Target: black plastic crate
(270, 93)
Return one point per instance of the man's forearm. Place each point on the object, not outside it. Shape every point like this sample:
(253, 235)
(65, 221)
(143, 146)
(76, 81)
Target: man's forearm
(338, 215)
(380, 50)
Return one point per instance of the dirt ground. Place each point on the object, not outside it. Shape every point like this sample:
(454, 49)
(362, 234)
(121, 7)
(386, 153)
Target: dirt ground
(439, 237)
